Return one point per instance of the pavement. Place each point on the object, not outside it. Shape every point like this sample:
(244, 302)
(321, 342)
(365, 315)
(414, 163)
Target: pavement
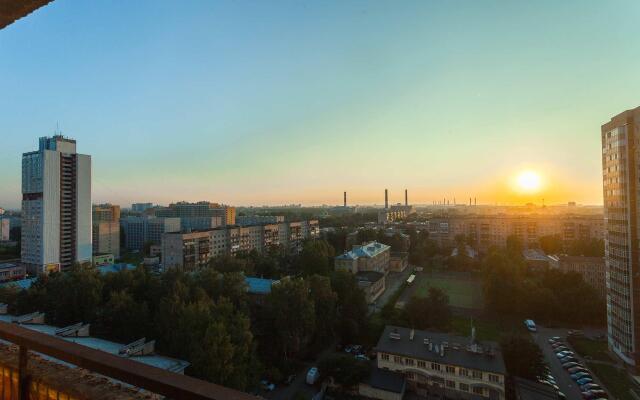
(393, 282)
(562, 377)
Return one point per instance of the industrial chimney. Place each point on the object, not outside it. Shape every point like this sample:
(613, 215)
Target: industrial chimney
(386, 199)
(345, 199)
(406, 198)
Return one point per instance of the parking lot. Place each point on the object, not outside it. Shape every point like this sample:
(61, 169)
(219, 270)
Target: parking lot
(562, 377)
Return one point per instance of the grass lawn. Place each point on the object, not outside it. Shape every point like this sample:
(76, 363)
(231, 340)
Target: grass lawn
(463, 293)
(597, 350)
(615, 380)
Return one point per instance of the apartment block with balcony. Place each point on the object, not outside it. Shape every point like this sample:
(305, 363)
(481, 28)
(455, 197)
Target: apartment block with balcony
(438, 365)
(232, 240)
(620, 164)
(106, 230)
(56, 206)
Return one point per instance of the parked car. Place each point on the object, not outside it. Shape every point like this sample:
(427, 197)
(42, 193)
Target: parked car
(362, 357)
(555, 345)
(313, 375)
(575, 333)
(579, 375)
(590, 387)
(531, 326)
(576, 369)
(599, 393)
(584, 381)
(266, 385)
(564, 351)
(556, 338)
(561, 395)
(570, 364)
(568, 359)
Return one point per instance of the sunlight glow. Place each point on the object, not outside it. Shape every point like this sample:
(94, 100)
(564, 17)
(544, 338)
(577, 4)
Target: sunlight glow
(529, 181)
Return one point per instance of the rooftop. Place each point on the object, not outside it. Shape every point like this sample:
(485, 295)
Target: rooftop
(368, 250)
(166, 363)
(426, 345)
(259, 285)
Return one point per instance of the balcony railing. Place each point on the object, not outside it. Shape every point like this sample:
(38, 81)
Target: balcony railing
(151, 379)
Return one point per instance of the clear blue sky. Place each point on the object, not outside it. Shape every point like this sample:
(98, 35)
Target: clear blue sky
(280, 102)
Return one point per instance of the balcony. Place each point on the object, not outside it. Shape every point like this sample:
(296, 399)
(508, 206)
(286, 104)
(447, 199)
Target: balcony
(23, 376)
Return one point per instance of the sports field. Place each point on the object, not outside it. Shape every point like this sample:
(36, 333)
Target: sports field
(463, 292)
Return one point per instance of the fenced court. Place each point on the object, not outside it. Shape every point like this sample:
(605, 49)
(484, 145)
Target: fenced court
(464, 289)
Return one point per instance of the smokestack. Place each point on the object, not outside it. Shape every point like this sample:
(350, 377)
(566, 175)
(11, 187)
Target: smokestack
(406, 197)
(345, 199)
(386, 199)
(474, 202)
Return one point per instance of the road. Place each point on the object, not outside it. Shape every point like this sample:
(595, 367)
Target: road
(393, 281)
(564, 381)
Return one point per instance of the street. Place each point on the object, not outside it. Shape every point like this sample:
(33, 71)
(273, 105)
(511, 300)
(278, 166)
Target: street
(562, 377)
(393, 281)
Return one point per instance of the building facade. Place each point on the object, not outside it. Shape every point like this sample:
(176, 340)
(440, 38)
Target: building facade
(192, 250)
(106, 229)
(199, 216)
(56, 206)
(5, 229)
(592, 269)
(139, 231)
(141, 207)
(620, 163)
(248, 220)
(486, 231)
(441, 365)
(370, 264)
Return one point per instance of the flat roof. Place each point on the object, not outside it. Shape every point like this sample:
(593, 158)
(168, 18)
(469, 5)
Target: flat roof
(166, 363)
(457, 352)
(369, 276)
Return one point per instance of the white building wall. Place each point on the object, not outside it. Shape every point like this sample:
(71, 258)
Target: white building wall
(50, 208)
(84, 247)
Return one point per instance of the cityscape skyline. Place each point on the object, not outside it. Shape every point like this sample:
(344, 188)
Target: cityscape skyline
(243, 126)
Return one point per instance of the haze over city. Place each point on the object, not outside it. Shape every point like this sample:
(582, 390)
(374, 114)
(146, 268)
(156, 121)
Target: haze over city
(295, 102)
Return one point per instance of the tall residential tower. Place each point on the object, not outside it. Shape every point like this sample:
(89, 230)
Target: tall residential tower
(620, 171)
(56, 206)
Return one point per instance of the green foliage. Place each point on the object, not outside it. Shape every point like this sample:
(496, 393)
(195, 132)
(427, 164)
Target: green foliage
(430, 312)
(522, 357)
(344, 369)
(551, 296)
(352, 308)
(316, 257)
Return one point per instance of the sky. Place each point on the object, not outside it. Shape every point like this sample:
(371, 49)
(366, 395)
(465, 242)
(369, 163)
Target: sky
(254, 102)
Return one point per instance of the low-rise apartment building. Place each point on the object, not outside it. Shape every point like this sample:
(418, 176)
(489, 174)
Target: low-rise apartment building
(199, 216)
(485, 231)
(592, 269)
(441, 365)
(12, 272)
(194, 249)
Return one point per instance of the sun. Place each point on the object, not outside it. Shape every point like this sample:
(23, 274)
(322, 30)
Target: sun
(529, 181)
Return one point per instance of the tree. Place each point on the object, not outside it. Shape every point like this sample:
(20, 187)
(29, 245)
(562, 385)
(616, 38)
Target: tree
(291, 313)
(522, 357)
(344, 369)
(124, 319)
(551, 244)
(432, 311)
(325, 307)
(351, 324)
(315, 257)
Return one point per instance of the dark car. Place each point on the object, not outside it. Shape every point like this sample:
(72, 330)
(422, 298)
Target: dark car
(579, 375)
(570, 364)
(584, 381)
(576, 369)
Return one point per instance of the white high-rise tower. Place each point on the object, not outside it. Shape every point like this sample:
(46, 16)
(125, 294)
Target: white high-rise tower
(56, 206)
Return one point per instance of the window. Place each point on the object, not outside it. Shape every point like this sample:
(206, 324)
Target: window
(463, 372)
(451, 384)
(494, 378)
(422, 364)
(435, 366)
(477, 390)
(409, 361)
(385, 357)
(477, 375)
(451, 370)
(397, 360)
(464, 387)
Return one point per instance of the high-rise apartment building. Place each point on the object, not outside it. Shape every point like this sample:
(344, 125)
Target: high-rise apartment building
(5, 229)
(141, 207)
(620, 167)
(56, 206)
(139, 231)
(106, 230)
